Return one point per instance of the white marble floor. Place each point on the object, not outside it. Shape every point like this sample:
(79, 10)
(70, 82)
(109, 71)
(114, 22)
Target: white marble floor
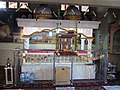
(116, 87)
(65, 88)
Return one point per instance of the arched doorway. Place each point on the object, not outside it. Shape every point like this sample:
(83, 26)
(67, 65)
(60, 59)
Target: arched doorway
(116, 42)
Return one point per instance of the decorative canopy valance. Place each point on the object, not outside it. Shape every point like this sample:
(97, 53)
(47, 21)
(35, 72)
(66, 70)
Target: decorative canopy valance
(47, 23)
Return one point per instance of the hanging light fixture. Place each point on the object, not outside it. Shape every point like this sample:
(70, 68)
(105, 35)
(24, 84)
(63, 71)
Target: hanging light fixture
(72, 13)
(42, 11)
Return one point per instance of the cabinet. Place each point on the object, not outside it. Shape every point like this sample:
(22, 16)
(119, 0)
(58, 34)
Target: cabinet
(62, 75)
(111, 71)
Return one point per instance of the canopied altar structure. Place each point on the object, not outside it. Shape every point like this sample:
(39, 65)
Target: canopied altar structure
(66, 49)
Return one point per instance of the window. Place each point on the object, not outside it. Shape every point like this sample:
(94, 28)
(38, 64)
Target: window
(23, 5)
(64, 7)
(85, 8)
(13, 4)
(2, 4)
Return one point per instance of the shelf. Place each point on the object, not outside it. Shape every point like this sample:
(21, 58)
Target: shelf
(111, 72)
(111, 66)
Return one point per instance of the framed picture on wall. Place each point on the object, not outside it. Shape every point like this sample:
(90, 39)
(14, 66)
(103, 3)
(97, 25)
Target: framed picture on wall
(5, 32)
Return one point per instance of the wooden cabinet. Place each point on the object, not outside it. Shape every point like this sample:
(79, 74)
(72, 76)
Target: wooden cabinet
(111, 72)
(62, 75)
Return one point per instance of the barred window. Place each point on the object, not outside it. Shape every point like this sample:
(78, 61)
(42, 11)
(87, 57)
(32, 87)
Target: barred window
(23, 5)
(2, 4)
(13, 4)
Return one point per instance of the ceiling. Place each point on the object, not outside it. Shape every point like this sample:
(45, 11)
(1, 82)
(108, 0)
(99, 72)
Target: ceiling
(107, 3)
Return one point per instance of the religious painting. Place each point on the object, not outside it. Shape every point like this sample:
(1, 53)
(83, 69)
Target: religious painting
(45, 36)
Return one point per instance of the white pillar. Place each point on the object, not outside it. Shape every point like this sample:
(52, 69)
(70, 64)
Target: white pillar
(90, 44)
(89, 49)
(82, 44)
(26, 43)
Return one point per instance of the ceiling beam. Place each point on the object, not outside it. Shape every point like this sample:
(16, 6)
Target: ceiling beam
(108, 3)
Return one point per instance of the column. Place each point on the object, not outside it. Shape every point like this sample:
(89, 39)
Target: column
(89, 49)
(26, 43)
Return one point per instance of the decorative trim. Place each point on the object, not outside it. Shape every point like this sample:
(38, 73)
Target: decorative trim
(48, 23)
